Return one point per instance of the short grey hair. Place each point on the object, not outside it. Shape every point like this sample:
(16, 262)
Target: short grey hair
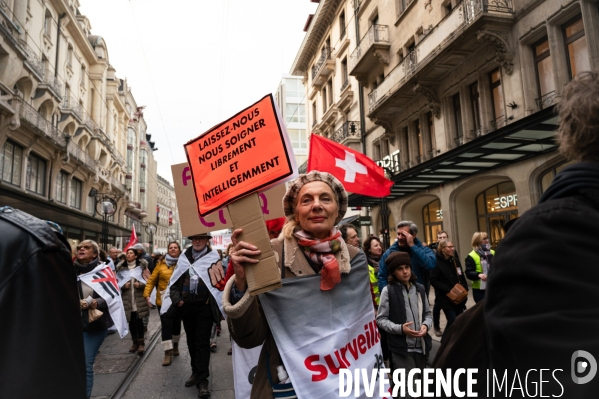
(410, 224)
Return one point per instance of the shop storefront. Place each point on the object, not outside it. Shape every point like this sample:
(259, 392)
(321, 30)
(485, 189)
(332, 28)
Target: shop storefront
(432, 215)
(496, 206)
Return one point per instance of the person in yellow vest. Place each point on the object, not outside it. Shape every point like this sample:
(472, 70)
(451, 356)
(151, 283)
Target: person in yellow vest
(373, 250)
(478, 264)
(171, 321)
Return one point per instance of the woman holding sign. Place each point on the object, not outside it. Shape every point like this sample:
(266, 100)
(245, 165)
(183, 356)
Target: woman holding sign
(136, 307)
(310, 245)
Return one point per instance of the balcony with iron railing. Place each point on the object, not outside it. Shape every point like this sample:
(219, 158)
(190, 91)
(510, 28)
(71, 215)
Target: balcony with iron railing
(324, 67)
(69, 104)
(45, 128)
(51, 83)
(89, 123)
(348, 131)
(456, 29)
(116, 184)
(7, 28)
(82, 156)
(34, 62)
(41, 124)
(546, 100)
(372, 49)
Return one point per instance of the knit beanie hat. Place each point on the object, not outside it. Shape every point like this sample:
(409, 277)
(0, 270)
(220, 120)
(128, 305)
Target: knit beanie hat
(290, 198)
(401, 258)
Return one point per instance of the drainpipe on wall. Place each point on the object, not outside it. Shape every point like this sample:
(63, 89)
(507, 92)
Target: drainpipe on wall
(360, 88)
(58, 44)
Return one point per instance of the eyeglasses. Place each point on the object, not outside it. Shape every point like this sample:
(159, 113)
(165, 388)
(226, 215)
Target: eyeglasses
(83, 247)
(199, 238)
(450, 246)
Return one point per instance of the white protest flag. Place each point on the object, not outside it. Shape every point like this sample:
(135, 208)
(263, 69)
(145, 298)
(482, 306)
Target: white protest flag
(123, 276)
(104, 282)
(321, 332)
(201, 267)
(245, 363)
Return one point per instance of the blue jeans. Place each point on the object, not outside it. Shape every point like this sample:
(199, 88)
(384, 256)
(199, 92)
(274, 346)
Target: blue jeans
(91, 343)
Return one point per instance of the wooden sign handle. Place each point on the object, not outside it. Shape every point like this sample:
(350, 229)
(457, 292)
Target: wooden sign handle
(246, 214)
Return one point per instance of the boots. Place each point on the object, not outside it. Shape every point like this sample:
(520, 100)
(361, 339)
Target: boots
(192, 380)
(168, 358)
(176, 345)
(168, 352)
(203, 391)
(134, 347)
(142, 346)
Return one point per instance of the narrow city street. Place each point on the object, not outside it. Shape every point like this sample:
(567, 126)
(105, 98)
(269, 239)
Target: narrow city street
(118, 373)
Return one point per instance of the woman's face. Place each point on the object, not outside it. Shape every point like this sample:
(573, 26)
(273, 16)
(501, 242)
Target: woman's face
(375, 248)
(130, 256)
(85, 252)
(316, 209)
(484, 241)
(173, 250)
(448, 250)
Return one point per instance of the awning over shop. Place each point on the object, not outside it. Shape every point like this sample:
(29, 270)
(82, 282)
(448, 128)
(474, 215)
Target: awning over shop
(524, 139)
(46, 210)
(350, 219)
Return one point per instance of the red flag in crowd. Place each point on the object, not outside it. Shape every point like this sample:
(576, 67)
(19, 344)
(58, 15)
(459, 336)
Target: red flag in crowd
(358, 173)
(132, 240)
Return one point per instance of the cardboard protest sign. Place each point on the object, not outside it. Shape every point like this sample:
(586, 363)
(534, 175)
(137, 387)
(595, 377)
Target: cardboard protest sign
(243, 154)
(271, 205)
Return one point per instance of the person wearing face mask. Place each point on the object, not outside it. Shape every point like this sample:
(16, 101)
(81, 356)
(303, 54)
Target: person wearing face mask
(446, 274)
(478, 264)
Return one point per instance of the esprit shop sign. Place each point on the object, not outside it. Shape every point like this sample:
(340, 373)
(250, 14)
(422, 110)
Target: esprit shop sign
(506, 201)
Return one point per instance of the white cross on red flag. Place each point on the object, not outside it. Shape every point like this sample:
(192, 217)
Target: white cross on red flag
(358, 173)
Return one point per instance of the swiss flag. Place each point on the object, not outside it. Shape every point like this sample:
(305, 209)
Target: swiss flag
(132, 240)
(358, 173)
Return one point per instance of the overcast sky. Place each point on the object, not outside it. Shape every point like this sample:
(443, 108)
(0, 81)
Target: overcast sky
(194, 63)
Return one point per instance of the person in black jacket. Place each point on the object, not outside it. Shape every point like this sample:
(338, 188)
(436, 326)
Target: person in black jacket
(94, 333)
(541, 306)
(446, 274)
(196, 307)
(38, 289)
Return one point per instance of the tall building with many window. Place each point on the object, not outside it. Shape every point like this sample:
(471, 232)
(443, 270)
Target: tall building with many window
(458, 101)
(66, 124)
(167, 214)
(291, 99)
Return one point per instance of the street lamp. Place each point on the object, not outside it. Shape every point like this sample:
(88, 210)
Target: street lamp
(169, 238)
(106, 206)
(151, 229)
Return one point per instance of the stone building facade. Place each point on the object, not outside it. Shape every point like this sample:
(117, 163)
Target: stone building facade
(169, 228)
(458, 101)
(65, 120)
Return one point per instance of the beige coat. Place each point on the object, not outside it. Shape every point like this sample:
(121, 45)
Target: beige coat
(247, 323)
(142, 306)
